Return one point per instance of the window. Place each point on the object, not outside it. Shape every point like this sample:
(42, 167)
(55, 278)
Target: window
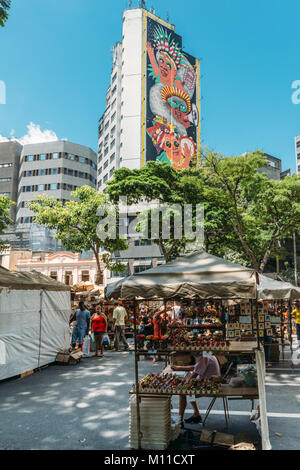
(113, 103)
(5, 180)
(100, 170)
(68, 278)
(54, 171)
(113, 117)
(53, 186)
(113, 130)
(70, 172)
(298, 144)
(106, 139)
(94, 165)
(112, 158)
(106, 151)
(85, 276)
(53, 275)
(114, 90)
(106, 126)
(42, 172)
(111, 172)
(5, 165)
(27, 189)
(5, 194)
(80, 174)
(42, 157)
(82, 160)
(114, 77)
(40, 187)
(139, 269)
(29, 158)
(105, 178)
(105, 165)
(112, 144)
(55, 156)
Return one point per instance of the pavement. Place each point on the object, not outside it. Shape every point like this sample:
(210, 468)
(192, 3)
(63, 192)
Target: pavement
(86, 407)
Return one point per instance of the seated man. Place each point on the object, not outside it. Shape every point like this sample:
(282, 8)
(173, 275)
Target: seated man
(205, 367)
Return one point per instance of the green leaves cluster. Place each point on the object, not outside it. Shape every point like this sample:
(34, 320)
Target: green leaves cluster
(245, 213)
(5, 205)
(4, 8)
(76, 222)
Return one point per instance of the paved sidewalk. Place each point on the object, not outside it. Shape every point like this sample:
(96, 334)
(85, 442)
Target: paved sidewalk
(86, 406)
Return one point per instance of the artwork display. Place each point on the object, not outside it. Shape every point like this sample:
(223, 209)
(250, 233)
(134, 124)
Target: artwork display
(172, 96)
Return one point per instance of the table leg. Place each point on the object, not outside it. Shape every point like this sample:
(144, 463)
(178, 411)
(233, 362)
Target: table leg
(209, 410)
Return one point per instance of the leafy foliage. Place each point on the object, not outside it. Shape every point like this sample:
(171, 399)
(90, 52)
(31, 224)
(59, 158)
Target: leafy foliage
(76, 223)
(245, 213)
(5, 204)
(4, 8)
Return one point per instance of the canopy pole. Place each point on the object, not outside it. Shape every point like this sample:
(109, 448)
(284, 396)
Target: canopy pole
(137, 396)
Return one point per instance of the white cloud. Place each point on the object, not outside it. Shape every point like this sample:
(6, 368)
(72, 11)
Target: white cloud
(34, 135)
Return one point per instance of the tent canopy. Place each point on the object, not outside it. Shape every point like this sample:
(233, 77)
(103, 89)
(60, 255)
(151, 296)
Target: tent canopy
(189, 276)
(270, 289)
(29, 280)
(201, 275)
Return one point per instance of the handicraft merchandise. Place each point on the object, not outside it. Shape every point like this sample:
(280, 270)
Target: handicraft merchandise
(169, 383)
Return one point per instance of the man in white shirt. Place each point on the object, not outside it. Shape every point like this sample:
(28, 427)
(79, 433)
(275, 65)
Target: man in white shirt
(119, 319)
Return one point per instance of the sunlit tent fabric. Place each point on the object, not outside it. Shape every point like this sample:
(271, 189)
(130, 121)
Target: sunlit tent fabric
(34, 321)
(194, 275)
(270, 289)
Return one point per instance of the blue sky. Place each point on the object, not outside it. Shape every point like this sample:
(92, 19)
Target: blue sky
(56, 62)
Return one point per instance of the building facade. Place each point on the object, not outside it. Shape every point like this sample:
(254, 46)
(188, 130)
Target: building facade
(153, 101)
(64, 266)
(10, 153)
(54, 169)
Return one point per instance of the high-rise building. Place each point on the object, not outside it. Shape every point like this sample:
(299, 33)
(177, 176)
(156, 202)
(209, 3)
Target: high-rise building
(153, 101)
(297, 153)
(54, 169)
(9, 172)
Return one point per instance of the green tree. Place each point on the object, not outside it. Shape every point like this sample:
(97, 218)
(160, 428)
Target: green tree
(4, 8)
(260, 212)
(161, 183)
(5, 204)
(76, 224)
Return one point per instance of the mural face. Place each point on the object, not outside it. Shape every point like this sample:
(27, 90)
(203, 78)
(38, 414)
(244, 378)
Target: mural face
(172, 115)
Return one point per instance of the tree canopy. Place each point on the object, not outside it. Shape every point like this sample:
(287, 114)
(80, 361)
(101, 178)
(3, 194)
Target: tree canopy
(4, 8)
(5, 204)
(76, 224)
(245, 213)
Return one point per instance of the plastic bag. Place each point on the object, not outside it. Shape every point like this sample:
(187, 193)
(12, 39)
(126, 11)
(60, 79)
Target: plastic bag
(86, 346)
(105, 340)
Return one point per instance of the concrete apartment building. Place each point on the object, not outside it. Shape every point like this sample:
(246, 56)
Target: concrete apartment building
(139, 109)
(54, 169)
(10, 153)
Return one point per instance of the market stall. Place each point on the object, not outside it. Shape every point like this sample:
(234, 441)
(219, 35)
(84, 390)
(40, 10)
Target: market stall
(199, 276)
(34, 321)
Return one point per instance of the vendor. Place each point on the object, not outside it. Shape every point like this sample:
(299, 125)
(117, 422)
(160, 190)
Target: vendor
(205, 367)
(296, 313)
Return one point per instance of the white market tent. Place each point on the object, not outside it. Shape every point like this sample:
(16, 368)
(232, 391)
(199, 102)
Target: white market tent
(34, 321)
(201, 275)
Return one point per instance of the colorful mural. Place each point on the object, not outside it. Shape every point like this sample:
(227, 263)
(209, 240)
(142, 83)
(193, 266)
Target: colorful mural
(172, 113)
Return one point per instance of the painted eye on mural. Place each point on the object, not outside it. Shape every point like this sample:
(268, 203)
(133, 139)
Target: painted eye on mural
(176, 144)
(169, 65)
(161, 60)
(183, 108)
(168, 144)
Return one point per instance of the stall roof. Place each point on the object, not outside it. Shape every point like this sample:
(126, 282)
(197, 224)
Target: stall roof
(194, 275)
(29, 280)
(270, 289)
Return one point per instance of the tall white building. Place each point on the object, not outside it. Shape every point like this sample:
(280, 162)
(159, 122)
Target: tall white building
(143, 98)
